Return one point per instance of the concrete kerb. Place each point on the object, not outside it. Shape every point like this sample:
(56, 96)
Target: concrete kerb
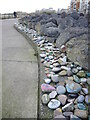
(37, 53)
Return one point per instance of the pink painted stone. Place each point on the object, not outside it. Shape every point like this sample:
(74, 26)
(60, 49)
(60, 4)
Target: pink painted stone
(47, 88)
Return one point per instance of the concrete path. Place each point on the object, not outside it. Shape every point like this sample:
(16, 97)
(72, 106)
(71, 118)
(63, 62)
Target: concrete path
(0, 69)
(19, 74)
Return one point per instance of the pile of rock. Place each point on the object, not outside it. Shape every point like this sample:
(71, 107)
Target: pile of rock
(53, 24)
(67, 97)
(62, 28)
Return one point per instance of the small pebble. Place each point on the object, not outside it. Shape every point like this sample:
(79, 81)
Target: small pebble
(53, 104)
(73, 117)
(80, 98)
(56, 69)
(86, 99)
(45, 98)
(62, 99)
(69, 73)
(65, 68)
(88, 74)
(42, 55)
(79, 68)
(76, 79)
(72, 95)
(47, 80)
(85, 90)
(67, 114)
(57, 112)
(81, 74)
(81, 106)
(47, 88)
(81, 113)
(64, 59)
(73, 87)
(63, 48)
(74, 70)
(55, 78)
(63, 73)
(88, 81)
(70, 78)
(61, 90)
(53, 94)
(71, 99)
(59, 117)
(56, 64)
(83, 80)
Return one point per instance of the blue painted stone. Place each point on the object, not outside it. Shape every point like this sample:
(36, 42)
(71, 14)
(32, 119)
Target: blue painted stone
(61, 89)
(54, 103)
(80, 98)
(88, 74)
(81, 106)
(76, 79)
(73, 87)
(47, 59)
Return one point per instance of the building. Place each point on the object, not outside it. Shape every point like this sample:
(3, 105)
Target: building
(79, 5)
(83, 6)
(73, 5)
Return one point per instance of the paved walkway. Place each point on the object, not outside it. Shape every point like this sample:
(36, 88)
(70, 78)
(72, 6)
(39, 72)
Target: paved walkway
(19, 74)
(0, 69)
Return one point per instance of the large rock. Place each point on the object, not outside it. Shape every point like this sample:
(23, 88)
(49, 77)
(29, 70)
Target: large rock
(50, 32)
(82, 22)
(50, 24)
(62, 28)
(70, 33)
(61, 23)
(68, 21)
(77, 50)
(63, 14)
(45, 21)
(75, 15)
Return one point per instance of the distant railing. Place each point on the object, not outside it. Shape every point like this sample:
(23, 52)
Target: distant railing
(6, 16)
(11, 15)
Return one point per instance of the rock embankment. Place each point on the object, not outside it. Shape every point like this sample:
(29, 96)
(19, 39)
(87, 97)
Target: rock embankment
(64, 88)
(63, 28)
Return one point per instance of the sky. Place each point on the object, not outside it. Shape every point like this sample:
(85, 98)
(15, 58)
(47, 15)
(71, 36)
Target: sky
(9, 6)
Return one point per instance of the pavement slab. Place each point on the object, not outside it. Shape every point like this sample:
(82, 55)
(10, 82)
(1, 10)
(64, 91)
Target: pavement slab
(0, 69)
(19, 74)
